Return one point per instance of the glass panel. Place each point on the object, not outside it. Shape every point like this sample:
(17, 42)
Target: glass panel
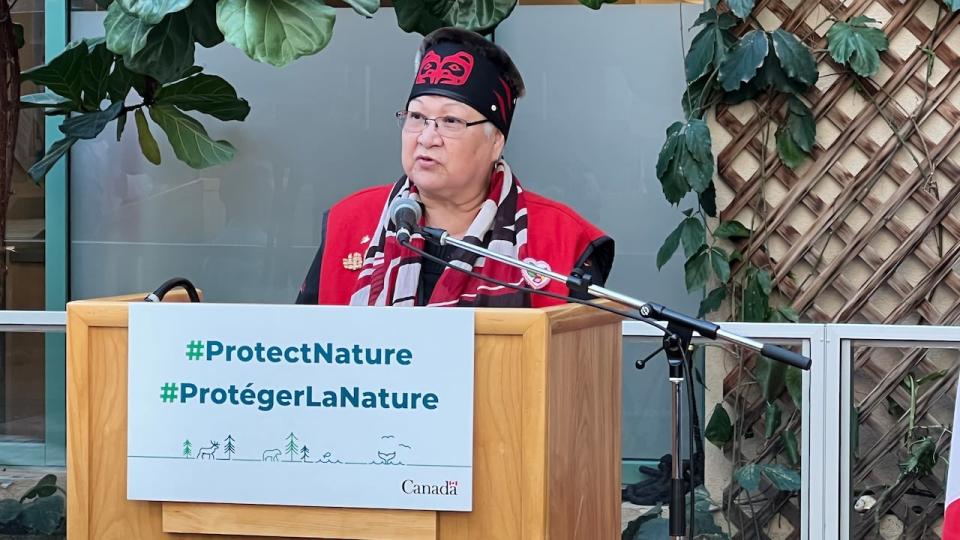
(25, 216)
(903, 400)
(319, 129)
(588, 134)
(22, 407)
(752, 465)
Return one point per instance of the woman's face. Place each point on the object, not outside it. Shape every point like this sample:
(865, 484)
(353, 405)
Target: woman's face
(449, 167)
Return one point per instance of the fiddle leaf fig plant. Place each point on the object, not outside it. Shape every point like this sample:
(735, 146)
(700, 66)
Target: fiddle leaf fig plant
(145, 65)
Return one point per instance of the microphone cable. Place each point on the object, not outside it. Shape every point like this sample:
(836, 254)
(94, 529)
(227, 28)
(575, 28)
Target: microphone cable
(170, 284)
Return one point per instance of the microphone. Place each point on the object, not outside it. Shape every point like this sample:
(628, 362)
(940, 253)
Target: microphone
(405, 213)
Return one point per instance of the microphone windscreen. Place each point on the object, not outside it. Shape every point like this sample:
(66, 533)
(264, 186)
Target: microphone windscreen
(401, 206)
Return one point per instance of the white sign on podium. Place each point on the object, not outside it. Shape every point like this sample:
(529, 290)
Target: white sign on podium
(301, 405)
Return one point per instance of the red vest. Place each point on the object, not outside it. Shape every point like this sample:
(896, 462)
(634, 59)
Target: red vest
(555, 234)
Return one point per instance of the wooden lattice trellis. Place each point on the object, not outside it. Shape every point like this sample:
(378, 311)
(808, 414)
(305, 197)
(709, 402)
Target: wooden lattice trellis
(860, 232)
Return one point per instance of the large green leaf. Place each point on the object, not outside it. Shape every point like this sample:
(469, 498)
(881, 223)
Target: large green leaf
(189, 139)
(731, 229)
(756, 302)
(702, 51)
(696, 95)
(203, 22)
(771, 419)
(697, 270)
(685, 160)
(719, 430)
(720, 264)
(276, 31)
(152, 11)
(855, 44)
(694, 236)
(62, 74)
(669, 246)
(126, 34)
(772, 377)
(44, 515)
(674, 185)
(57, 150)
(790, 447)
(45, 487)
(772, 75)
(712, 301)
(207, 94)
(121, 124)
(801, 125)
(94, 75)
(9, 510)
(741, 8)
(89, 125)
(696, 160)
(365, 8)
(923, 457)
(796, 137)
(148, 144)
(708, 200)
(746, 91)
(636, 528)
(709, 47)
(119, 81)
(795, 57)
(794, 382)
(785, 314)
(782, 478)
(47, 100)
(479, 15)
(413, 16)
(743, 61)
(748, 476)
(789, 151)
(168, 52)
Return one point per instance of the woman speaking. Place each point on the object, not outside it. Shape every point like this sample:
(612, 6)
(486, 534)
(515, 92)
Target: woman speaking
(453, 131)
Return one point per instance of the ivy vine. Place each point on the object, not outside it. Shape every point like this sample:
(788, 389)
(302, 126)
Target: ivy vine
(733, 59)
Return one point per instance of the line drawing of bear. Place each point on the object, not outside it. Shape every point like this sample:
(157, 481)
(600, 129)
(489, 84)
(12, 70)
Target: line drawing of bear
(208, 451)
(271, 455)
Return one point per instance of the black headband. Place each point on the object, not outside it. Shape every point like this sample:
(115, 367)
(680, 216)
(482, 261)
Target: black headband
(448, 69)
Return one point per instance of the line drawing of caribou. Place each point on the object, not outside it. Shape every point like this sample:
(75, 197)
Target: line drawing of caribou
(271, 455)
(208, 451)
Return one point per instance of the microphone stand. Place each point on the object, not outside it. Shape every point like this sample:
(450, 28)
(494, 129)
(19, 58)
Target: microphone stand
(676, 346)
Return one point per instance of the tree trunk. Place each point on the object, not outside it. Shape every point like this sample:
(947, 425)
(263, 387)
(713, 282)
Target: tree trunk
(9, 116)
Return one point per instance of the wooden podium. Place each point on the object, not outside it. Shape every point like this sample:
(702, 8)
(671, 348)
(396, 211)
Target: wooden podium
(546, 444)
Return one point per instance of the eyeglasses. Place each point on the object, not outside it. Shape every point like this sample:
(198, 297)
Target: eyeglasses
(447, 126)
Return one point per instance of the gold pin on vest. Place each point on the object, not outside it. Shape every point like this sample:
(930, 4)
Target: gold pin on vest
(353, 261)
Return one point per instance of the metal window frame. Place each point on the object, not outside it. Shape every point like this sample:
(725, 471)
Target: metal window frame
(841, 340)
(814, 442)
(827, 390)
(56, 259)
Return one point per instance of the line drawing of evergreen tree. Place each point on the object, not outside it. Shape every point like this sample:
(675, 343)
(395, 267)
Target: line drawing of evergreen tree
(304, 453)
(187, 448)
(292, 448)
(228, 448)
